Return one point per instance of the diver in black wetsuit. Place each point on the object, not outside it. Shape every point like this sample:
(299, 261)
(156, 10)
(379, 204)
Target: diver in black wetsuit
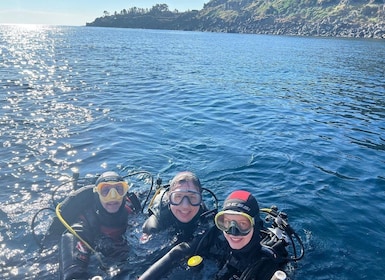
(180, 210)
(99, 229)
(245, 258)
(234, 243)
(180, 215)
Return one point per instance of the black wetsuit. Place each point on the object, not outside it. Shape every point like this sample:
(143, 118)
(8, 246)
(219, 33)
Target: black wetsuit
(253, 262)
(103, 231)
(162, 219)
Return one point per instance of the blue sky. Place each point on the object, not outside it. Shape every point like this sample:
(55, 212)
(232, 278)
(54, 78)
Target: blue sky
(78, 12)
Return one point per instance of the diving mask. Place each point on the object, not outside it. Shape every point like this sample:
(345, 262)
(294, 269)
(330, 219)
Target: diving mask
(234, 223)
(111, 191)
(193, 197)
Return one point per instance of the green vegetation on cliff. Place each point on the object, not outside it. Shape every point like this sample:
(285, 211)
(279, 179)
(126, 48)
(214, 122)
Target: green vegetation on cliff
(341, 18)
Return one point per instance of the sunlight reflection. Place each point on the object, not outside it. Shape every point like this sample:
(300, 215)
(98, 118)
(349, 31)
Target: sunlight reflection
(30, 27)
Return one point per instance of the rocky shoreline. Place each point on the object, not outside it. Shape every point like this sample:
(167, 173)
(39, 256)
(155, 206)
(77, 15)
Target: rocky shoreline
(322, 29)
(359, 21)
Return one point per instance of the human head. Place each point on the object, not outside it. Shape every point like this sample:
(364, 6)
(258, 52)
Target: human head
(111, 189)
(185, 190)
(239, 218)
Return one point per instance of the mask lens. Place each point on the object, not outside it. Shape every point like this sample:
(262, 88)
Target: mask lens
(194, 198)
(234, 223)
(104, 188)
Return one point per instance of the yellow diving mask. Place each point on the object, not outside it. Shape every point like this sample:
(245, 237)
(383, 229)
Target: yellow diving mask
(111, 190)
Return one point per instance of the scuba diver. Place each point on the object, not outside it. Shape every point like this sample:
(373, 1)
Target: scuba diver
(179, 209)
(178, 215)
(240, 224)
(99, 229)
(238, 244)
(91, 222)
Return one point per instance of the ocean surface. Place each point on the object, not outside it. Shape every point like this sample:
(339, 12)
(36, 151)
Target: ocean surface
(299, 122)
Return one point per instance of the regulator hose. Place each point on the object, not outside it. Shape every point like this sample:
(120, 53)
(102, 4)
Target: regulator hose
(71, 230)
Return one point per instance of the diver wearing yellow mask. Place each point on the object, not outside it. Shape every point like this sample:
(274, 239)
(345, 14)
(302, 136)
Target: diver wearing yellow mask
(102, 226)
(111, 190)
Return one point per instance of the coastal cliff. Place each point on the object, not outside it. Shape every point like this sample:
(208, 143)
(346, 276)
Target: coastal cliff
(329, 18)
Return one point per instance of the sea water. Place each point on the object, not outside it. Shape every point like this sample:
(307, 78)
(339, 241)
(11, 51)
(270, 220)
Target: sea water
(297, 121)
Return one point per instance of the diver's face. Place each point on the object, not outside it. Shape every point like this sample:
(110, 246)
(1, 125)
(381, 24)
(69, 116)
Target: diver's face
(112, 206)
(111, 195)
(238, 242)
(184, 195)
(113, 203)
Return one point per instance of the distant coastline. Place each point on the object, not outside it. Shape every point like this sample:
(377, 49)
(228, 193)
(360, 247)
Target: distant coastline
(362, 19)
